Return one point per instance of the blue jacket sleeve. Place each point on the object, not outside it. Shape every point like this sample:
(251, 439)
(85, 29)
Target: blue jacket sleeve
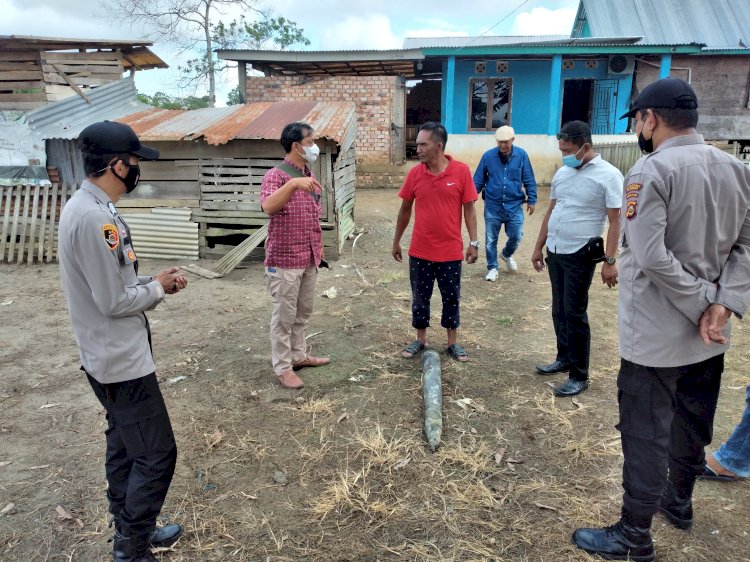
(529, 182)
(480, 176)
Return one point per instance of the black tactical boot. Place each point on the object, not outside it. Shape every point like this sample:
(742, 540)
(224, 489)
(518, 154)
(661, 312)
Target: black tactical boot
(677, 505)
(132, 549)
(164, 536)
(625, 540)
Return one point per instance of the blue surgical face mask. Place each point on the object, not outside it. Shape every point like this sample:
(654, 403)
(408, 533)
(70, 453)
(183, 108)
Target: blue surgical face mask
(571, 160)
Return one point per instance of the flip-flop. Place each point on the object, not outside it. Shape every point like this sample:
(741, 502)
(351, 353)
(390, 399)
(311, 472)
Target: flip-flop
(457, 352)
(711, 474)
(412, 349)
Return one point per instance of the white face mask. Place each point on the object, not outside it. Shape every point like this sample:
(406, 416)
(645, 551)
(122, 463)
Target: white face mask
(311, 153)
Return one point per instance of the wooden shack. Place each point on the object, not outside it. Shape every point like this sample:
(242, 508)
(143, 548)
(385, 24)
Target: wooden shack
(37, 70)
(213, 161)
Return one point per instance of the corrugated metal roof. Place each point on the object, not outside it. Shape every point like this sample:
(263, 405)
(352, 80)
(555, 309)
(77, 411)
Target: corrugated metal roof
(164, 233)
(260, 120)
(66, 118)
(485, 41)
(715, 23)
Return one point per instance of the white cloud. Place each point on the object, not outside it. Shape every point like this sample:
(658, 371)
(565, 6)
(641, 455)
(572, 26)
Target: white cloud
(372, 31)
(434, 33)
(541, 21)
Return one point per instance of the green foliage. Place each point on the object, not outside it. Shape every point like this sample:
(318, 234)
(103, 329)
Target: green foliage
(234, 97)
(165, 101)
(268, 32)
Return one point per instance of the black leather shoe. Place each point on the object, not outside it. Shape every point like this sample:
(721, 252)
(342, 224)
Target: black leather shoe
(678, 510)
(132, 549)
(556, 366)
(165, 536)
(160, 537)
(621, 541)
(571, 387)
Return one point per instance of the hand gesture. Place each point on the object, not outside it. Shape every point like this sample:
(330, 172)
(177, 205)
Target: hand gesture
(537, 260)
(172, 280)
(396, 252)
(609, 275)
(712, 323)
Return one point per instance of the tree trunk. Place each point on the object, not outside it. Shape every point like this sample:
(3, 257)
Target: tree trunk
(209, 58)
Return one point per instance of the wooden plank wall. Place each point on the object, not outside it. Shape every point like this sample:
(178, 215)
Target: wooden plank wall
(21, 80)
(345, 180)
(85, 70)
(29, 217)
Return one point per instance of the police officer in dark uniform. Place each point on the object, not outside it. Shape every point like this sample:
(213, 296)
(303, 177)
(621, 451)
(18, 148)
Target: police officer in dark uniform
(107, 301)
(684, 270)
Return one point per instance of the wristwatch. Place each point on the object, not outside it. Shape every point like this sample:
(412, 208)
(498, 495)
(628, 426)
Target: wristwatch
(610, 260)
(474, 243)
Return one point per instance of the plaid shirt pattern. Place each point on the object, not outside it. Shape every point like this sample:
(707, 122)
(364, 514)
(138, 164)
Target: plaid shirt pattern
(294, 239)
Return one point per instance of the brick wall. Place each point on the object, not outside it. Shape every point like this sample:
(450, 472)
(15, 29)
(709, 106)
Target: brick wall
(721, 84)
(373, 96)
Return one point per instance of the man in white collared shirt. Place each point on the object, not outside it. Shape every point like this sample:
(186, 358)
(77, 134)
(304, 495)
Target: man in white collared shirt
(585, 193)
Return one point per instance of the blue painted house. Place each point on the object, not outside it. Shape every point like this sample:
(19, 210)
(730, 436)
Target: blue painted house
(535, 84)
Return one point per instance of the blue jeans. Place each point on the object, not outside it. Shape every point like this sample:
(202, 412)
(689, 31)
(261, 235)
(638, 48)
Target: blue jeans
(734, 454)
(494, 219)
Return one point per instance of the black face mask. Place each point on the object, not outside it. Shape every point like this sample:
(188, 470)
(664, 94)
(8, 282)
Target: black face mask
(131, 179)
(646, 146)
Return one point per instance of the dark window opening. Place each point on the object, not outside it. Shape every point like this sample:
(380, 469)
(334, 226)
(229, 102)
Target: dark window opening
(577, 101)
(489, 104)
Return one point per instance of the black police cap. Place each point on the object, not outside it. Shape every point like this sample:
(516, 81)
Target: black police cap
(110, 137)
(667, 93)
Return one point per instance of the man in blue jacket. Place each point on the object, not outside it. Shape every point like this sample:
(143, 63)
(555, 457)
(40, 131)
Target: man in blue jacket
(506, 181)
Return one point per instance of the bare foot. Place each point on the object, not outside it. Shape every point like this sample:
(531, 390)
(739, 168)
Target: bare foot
(712, 463)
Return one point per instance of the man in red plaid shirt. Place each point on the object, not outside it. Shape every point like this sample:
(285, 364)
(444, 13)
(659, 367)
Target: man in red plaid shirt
(290, 195)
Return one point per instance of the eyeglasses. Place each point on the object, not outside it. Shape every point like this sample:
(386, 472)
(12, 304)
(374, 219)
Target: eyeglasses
(566, 137)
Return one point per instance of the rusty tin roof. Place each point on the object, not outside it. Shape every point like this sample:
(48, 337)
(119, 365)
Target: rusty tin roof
(259, 120)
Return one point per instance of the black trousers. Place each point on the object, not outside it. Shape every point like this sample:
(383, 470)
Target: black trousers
(141, 451)
(666, 420)
(571, 276)
(422, 275)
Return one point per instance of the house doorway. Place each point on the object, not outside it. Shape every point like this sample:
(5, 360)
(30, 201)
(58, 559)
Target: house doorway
(577, 96)
(422, 104)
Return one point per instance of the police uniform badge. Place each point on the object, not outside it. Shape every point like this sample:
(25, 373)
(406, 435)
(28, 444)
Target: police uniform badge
(111, 236)
(632, 209)
(631, 195)
(131, 255)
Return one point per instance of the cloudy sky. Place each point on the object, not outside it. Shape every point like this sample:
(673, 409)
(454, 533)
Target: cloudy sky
(329, 24)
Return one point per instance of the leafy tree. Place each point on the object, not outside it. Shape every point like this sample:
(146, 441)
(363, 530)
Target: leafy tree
(186, 23)
(234, 97)
(165, 101)
(195, 25)
(265, 33)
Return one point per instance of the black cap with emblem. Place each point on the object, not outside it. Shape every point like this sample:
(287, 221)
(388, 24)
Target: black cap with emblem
(667, 93)
(110, 137)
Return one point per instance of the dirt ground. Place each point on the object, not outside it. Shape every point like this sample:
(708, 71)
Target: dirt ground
(341, 470)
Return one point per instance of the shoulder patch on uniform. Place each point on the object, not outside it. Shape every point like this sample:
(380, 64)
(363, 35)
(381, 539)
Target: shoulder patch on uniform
(131, 255)
(632, 209)
(111, 236)
(633, 187)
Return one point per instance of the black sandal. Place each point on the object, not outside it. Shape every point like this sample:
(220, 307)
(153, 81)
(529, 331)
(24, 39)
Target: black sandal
(457, 352)
(412, 349)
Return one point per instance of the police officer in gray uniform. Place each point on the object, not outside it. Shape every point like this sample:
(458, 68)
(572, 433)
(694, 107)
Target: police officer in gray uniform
(684, 270)
(107, 301)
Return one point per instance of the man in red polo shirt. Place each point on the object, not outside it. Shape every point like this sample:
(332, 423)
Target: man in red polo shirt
(290, 195)
(442, 188)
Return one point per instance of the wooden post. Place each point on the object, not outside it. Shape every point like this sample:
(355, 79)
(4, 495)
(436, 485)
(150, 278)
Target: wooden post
(43, 224)
(32, 231)
(52, 218)
(14, 224)
(6, 217)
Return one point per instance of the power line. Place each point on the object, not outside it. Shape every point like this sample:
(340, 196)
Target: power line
(505, 17)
